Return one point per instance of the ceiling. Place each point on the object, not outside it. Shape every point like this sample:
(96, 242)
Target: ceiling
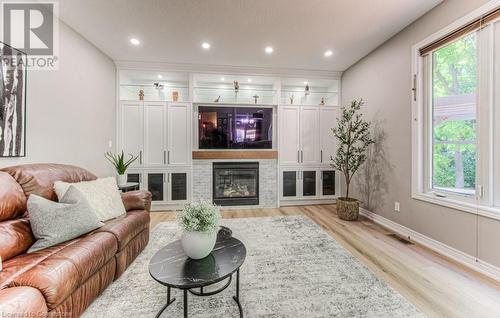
(300, 31)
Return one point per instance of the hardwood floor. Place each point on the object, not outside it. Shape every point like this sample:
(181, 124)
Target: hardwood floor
(435, 284)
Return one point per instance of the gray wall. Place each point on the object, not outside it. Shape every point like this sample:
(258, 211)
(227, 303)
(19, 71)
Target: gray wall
(383, 79)
(71, 112)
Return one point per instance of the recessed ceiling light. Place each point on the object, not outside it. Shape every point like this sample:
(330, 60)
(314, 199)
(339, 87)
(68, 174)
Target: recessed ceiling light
(269, 49)
(134, 41)
(222, 78)
(160, 76)
(305, 83)
(205, 45)
(249, 80)
(328, 53)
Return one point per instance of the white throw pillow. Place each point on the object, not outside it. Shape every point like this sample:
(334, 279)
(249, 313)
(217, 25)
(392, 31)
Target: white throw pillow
(102, 195)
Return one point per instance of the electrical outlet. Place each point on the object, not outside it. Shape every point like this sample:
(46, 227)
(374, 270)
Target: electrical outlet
(397, 206)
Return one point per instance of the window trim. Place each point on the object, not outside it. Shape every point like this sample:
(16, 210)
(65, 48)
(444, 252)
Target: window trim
(420, 132)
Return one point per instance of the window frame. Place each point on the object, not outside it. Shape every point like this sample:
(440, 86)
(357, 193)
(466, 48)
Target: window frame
(421, 184)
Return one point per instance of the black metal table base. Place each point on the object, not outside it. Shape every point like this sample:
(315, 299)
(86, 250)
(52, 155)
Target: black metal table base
(203, 294)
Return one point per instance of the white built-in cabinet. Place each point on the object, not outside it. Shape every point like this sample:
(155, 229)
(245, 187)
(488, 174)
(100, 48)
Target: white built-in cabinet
(306, 143)
(159, 133)
(305, 134)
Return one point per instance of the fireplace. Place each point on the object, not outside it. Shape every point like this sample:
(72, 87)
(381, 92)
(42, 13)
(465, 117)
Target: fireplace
(236, 183)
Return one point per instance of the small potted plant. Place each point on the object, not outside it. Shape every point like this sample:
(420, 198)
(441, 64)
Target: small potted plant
(353, 135)
(121, 165)
(200, 223)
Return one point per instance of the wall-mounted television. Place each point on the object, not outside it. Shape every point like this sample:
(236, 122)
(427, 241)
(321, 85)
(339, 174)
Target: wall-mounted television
(222, 127)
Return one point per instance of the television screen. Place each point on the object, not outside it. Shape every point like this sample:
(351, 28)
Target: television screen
(235, 127)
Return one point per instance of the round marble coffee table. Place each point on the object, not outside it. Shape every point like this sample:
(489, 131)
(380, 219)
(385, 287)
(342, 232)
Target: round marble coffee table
(172, 268)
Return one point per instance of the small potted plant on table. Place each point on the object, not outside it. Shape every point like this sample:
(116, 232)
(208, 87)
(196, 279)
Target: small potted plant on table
(353, 135)
(200, 224)
(121, 165)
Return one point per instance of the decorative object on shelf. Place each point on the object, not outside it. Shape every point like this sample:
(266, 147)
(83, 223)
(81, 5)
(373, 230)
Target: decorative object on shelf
(217, 99)
(175, 96)
(255, 97)
(200, 222)
(12, 102)
(158, 86)
(322, 101)
(291, 99)
(121, 165)
(353, 135)
(306, 91)
(236, 85)
(141, 94)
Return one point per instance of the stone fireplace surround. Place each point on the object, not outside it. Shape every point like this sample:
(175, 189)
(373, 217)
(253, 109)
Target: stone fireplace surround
(268, 180)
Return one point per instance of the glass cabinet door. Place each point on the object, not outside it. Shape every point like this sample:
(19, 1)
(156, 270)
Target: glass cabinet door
(328, 183)
(289, 183)
(156, 185)
(309, 183)
(178, 186)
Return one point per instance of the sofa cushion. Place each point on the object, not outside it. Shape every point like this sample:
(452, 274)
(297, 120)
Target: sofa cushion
(57, 272)
(126, 227)
(12, 199)
(53, 223)
(102, 195)
(15, 237)
(39, 178)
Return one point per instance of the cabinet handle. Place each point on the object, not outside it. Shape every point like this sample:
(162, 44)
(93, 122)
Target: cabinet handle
(164, 180)
(302, 156)
(140, 178)
(168, 157)
(168, 177)
(321, 155)
(298, 156)
(164, 157)
(140, 157)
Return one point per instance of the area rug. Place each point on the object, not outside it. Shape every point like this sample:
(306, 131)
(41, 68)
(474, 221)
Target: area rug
(293, 269)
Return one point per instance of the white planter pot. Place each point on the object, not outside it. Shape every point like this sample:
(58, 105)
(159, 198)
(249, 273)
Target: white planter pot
(121, 179)
(198, 245)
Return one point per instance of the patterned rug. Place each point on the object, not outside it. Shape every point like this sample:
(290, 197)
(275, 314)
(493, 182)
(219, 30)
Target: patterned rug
(293, 269)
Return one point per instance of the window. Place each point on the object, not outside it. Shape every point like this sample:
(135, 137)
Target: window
(454, 81)
(456, 110)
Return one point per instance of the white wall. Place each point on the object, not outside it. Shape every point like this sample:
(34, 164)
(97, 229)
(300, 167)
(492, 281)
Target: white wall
(71, 112)
(383, 79)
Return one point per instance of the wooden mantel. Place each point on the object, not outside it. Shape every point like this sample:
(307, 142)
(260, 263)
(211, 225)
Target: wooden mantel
(231, 154)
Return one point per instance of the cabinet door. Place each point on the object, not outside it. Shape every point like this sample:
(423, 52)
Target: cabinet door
(132, 129)
(328, 183)
(289, 184)
(156, 185)
(309, 184)
(309, 135)
(135, 177)
(289, 135)
(328, 120)
(178, 187)
(155, 139)
(179, 134)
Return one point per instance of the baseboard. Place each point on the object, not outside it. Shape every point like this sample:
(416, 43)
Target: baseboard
(441, 248)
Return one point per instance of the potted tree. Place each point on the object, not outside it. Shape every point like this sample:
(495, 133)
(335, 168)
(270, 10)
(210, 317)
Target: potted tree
(353, 135)
(121, 165)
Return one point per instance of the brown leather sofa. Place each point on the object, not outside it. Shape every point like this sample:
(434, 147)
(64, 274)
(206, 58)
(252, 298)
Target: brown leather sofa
(62, 280)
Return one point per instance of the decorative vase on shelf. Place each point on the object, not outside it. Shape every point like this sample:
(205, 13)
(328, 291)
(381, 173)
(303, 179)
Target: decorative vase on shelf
(175, 96)
(121, 179)
(198, 245)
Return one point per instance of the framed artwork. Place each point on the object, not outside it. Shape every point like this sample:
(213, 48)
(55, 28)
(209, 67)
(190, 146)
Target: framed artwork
(12, 102)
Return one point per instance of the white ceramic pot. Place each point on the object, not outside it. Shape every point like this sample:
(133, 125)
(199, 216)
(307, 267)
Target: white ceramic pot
(121, 179)
(198, 245)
